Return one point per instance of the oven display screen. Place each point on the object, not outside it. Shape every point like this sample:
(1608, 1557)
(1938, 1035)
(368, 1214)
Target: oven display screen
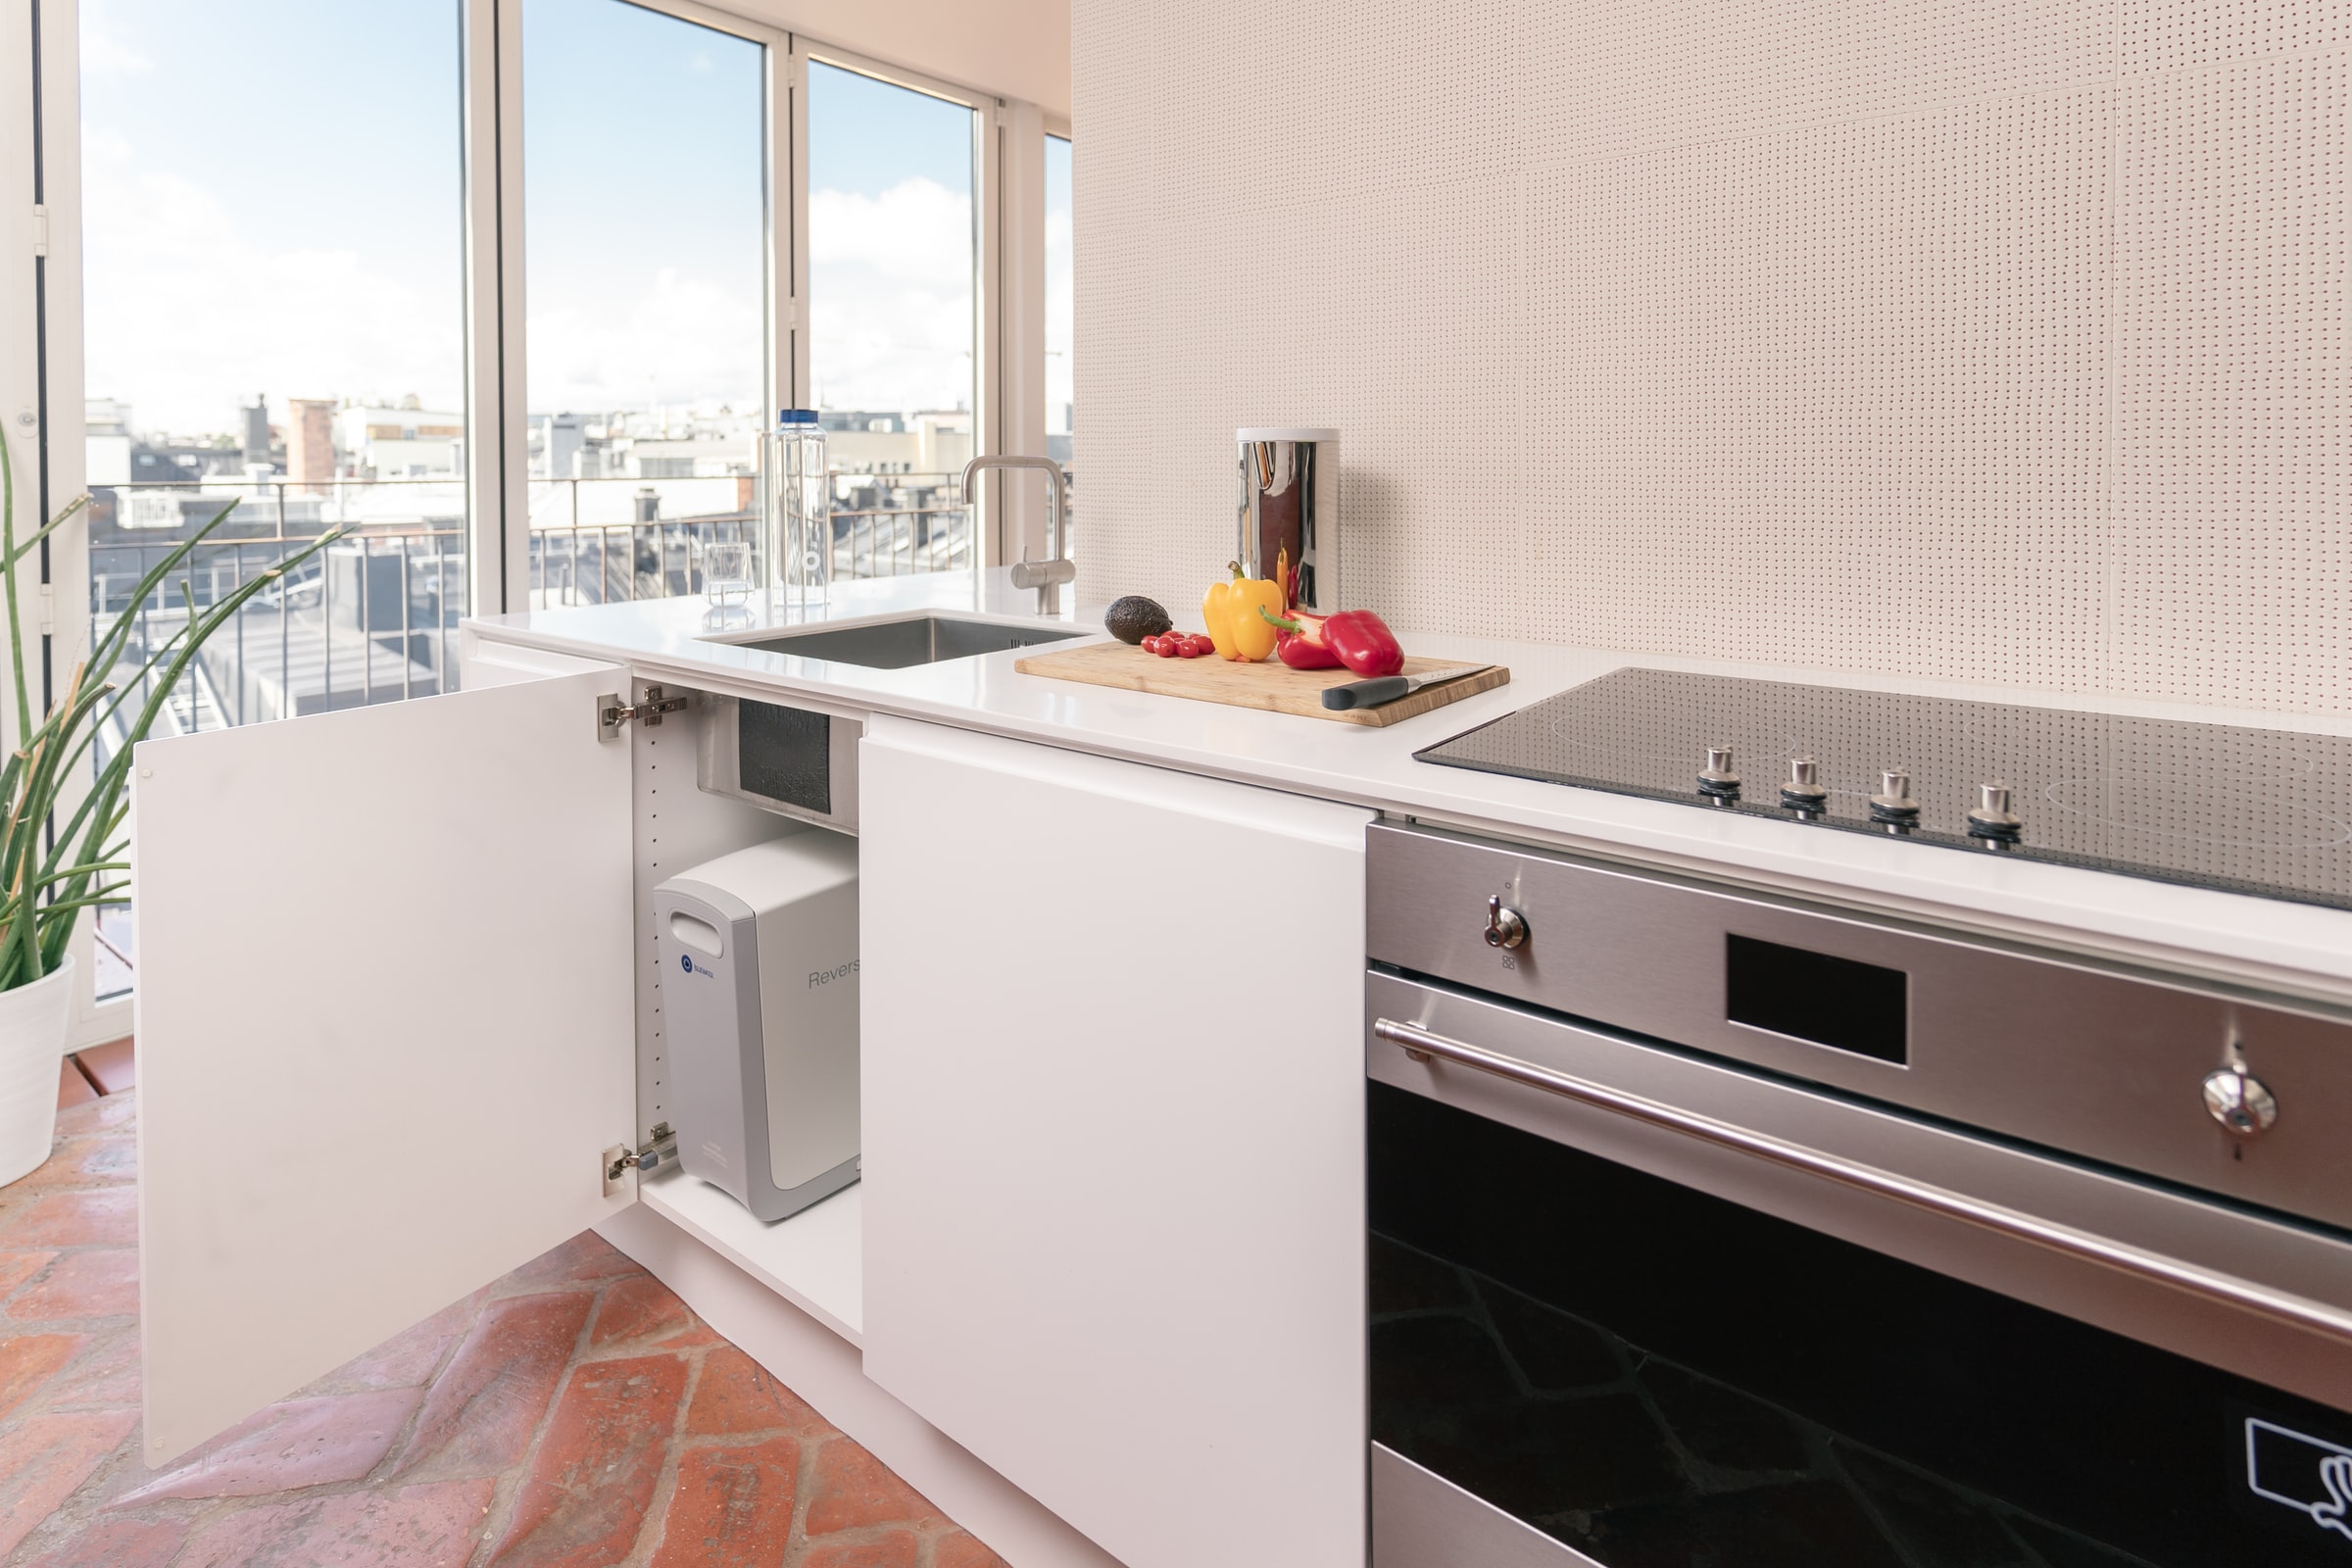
(1836, 1003)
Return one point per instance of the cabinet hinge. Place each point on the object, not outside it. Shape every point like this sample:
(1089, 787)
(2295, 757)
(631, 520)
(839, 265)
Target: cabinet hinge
(661, 1146)
(611, 713)
(40, 231)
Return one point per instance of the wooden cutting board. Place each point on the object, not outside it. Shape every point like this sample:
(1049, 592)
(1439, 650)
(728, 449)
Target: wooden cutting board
(1272, 686)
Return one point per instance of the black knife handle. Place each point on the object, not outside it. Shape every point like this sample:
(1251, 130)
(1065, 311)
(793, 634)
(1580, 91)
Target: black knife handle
(1366, 693)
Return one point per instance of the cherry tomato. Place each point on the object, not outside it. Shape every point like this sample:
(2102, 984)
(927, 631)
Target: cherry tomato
(1198, 646)
(1187, 648)
(1150, 645)
(1167, 647)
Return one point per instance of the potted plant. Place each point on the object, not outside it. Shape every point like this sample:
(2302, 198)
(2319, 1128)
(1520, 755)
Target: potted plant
(60, 843)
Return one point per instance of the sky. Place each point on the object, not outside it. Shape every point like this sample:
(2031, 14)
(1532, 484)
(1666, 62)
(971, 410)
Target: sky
(274, 193)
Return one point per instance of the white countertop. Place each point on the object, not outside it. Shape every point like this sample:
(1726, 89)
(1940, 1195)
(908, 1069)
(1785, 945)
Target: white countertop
(2262, 942)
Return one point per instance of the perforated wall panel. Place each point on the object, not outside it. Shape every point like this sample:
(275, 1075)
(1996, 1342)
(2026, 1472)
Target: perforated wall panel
(1964, 338)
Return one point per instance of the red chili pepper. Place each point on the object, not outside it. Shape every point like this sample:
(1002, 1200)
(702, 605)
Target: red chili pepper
(1360, 639)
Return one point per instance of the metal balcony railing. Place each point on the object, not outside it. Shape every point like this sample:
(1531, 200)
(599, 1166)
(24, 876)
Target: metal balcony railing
(375, 616)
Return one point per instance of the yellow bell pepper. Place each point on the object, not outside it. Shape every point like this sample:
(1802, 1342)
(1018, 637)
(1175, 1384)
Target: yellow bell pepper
(1235, 625)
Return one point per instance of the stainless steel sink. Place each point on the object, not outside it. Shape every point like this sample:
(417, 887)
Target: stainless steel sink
(919, 639)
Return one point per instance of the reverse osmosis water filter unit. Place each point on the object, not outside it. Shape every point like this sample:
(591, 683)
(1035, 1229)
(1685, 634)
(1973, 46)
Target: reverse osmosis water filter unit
(758, 952)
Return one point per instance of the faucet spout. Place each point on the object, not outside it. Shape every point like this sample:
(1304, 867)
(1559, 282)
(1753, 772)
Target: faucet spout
(1046, 575)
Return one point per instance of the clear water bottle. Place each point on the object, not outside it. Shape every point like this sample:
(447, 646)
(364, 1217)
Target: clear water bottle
(796, 509)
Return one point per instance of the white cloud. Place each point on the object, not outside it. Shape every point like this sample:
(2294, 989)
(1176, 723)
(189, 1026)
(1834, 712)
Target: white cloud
(105, 55)
(686, 340)
(190, 310)
(890, 285)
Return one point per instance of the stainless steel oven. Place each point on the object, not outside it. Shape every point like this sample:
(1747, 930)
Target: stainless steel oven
(1711, 1229)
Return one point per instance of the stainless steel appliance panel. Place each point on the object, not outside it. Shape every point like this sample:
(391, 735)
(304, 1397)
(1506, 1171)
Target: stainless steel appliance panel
(2100, 1064)
(2228, 1244)
(1290, 506)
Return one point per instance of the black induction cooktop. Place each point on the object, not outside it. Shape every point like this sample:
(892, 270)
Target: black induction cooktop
(2249, 811)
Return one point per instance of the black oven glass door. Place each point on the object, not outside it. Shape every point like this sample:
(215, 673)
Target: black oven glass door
(1663, 1379)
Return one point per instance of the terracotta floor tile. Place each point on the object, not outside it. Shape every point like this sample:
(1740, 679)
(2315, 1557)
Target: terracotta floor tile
(732, 1507)
(75, 1219)
(103, 1282)
(409, 1358)
(642, 1312)
(118, 1544)
(45, 1457)
(301, 1443)
(894, 1549)
(99, 1116)
(737, 1395)
(960, 1551)
(496, 1405)
(106, 1378)
(17, 1267)
(73, 1089)
(854, 1489)
(28, 1361)
(94, 1159)
(584, 1502)
(482, 1411)
(429, 1526)
(587, 1258)
(112, 1067)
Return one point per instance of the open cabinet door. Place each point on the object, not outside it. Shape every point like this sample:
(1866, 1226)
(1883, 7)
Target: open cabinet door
(385, 1026)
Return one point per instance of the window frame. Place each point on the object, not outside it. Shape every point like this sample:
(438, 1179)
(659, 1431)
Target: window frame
(1008, 303)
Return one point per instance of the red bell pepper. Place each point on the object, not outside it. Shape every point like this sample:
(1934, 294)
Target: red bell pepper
(1298, 652)
(1357, 638)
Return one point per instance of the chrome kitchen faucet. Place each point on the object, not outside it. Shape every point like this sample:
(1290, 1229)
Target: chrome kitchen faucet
(1043, 575)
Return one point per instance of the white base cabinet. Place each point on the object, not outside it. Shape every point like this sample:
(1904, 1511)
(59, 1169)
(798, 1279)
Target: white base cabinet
(396, 1018)
(385, 1026)
(1113, 1098)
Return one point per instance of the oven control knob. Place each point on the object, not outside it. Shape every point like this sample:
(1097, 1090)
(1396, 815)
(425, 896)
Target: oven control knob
(1506, 927)
(2240, 1101)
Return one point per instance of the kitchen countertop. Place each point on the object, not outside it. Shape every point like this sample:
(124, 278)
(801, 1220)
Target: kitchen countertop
(2268, 942)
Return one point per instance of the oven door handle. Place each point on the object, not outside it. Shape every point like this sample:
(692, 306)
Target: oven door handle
(2280, 1306)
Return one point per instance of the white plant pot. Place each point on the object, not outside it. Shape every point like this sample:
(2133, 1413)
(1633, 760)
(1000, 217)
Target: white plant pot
(33, 1046)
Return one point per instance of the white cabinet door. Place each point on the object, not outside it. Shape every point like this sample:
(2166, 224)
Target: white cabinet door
(1114, 1118)
(385, 1022)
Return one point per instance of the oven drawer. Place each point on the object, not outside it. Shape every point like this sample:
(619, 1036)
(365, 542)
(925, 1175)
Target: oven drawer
(2103, 1065)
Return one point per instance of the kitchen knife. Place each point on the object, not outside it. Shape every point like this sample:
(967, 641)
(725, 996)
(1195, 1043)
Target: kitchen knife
(1388, 688)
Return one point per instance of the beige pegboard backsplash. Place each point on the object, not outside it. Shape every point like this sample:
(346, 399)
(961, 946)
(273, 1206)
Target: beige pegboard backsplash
(1998, 339)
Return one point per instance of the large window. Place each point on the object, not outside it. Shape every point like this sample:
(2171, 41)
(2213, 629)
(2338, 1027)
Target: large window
(273, 328)
(505, 291)
(894, 284)
(645, 189)
(275, 322)
(1061, 304)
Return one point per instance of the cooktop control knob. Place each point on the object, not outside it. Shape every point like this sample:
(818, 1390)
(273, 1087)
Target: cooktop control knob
(1993, 821)
(1804, 791)
(1718, 781)
(1506, 927)
(2240, 1101)
(1893, 804)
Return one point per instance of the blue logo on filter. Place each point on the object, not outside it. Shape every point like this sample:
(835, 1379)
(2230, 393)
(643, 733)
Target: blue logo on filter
(686, 961)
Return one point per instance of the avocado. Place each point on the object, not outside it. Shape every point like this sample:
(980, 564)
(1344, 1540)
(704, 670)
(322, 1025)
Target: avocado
(1133, 618)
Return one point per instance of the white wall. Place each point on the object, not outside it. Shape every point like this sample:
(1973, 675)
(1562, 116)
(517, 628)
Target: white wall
(1910, 336)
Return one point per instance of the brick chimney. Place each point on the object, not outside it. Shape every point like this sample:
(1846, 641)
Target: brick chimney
(311, 443)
